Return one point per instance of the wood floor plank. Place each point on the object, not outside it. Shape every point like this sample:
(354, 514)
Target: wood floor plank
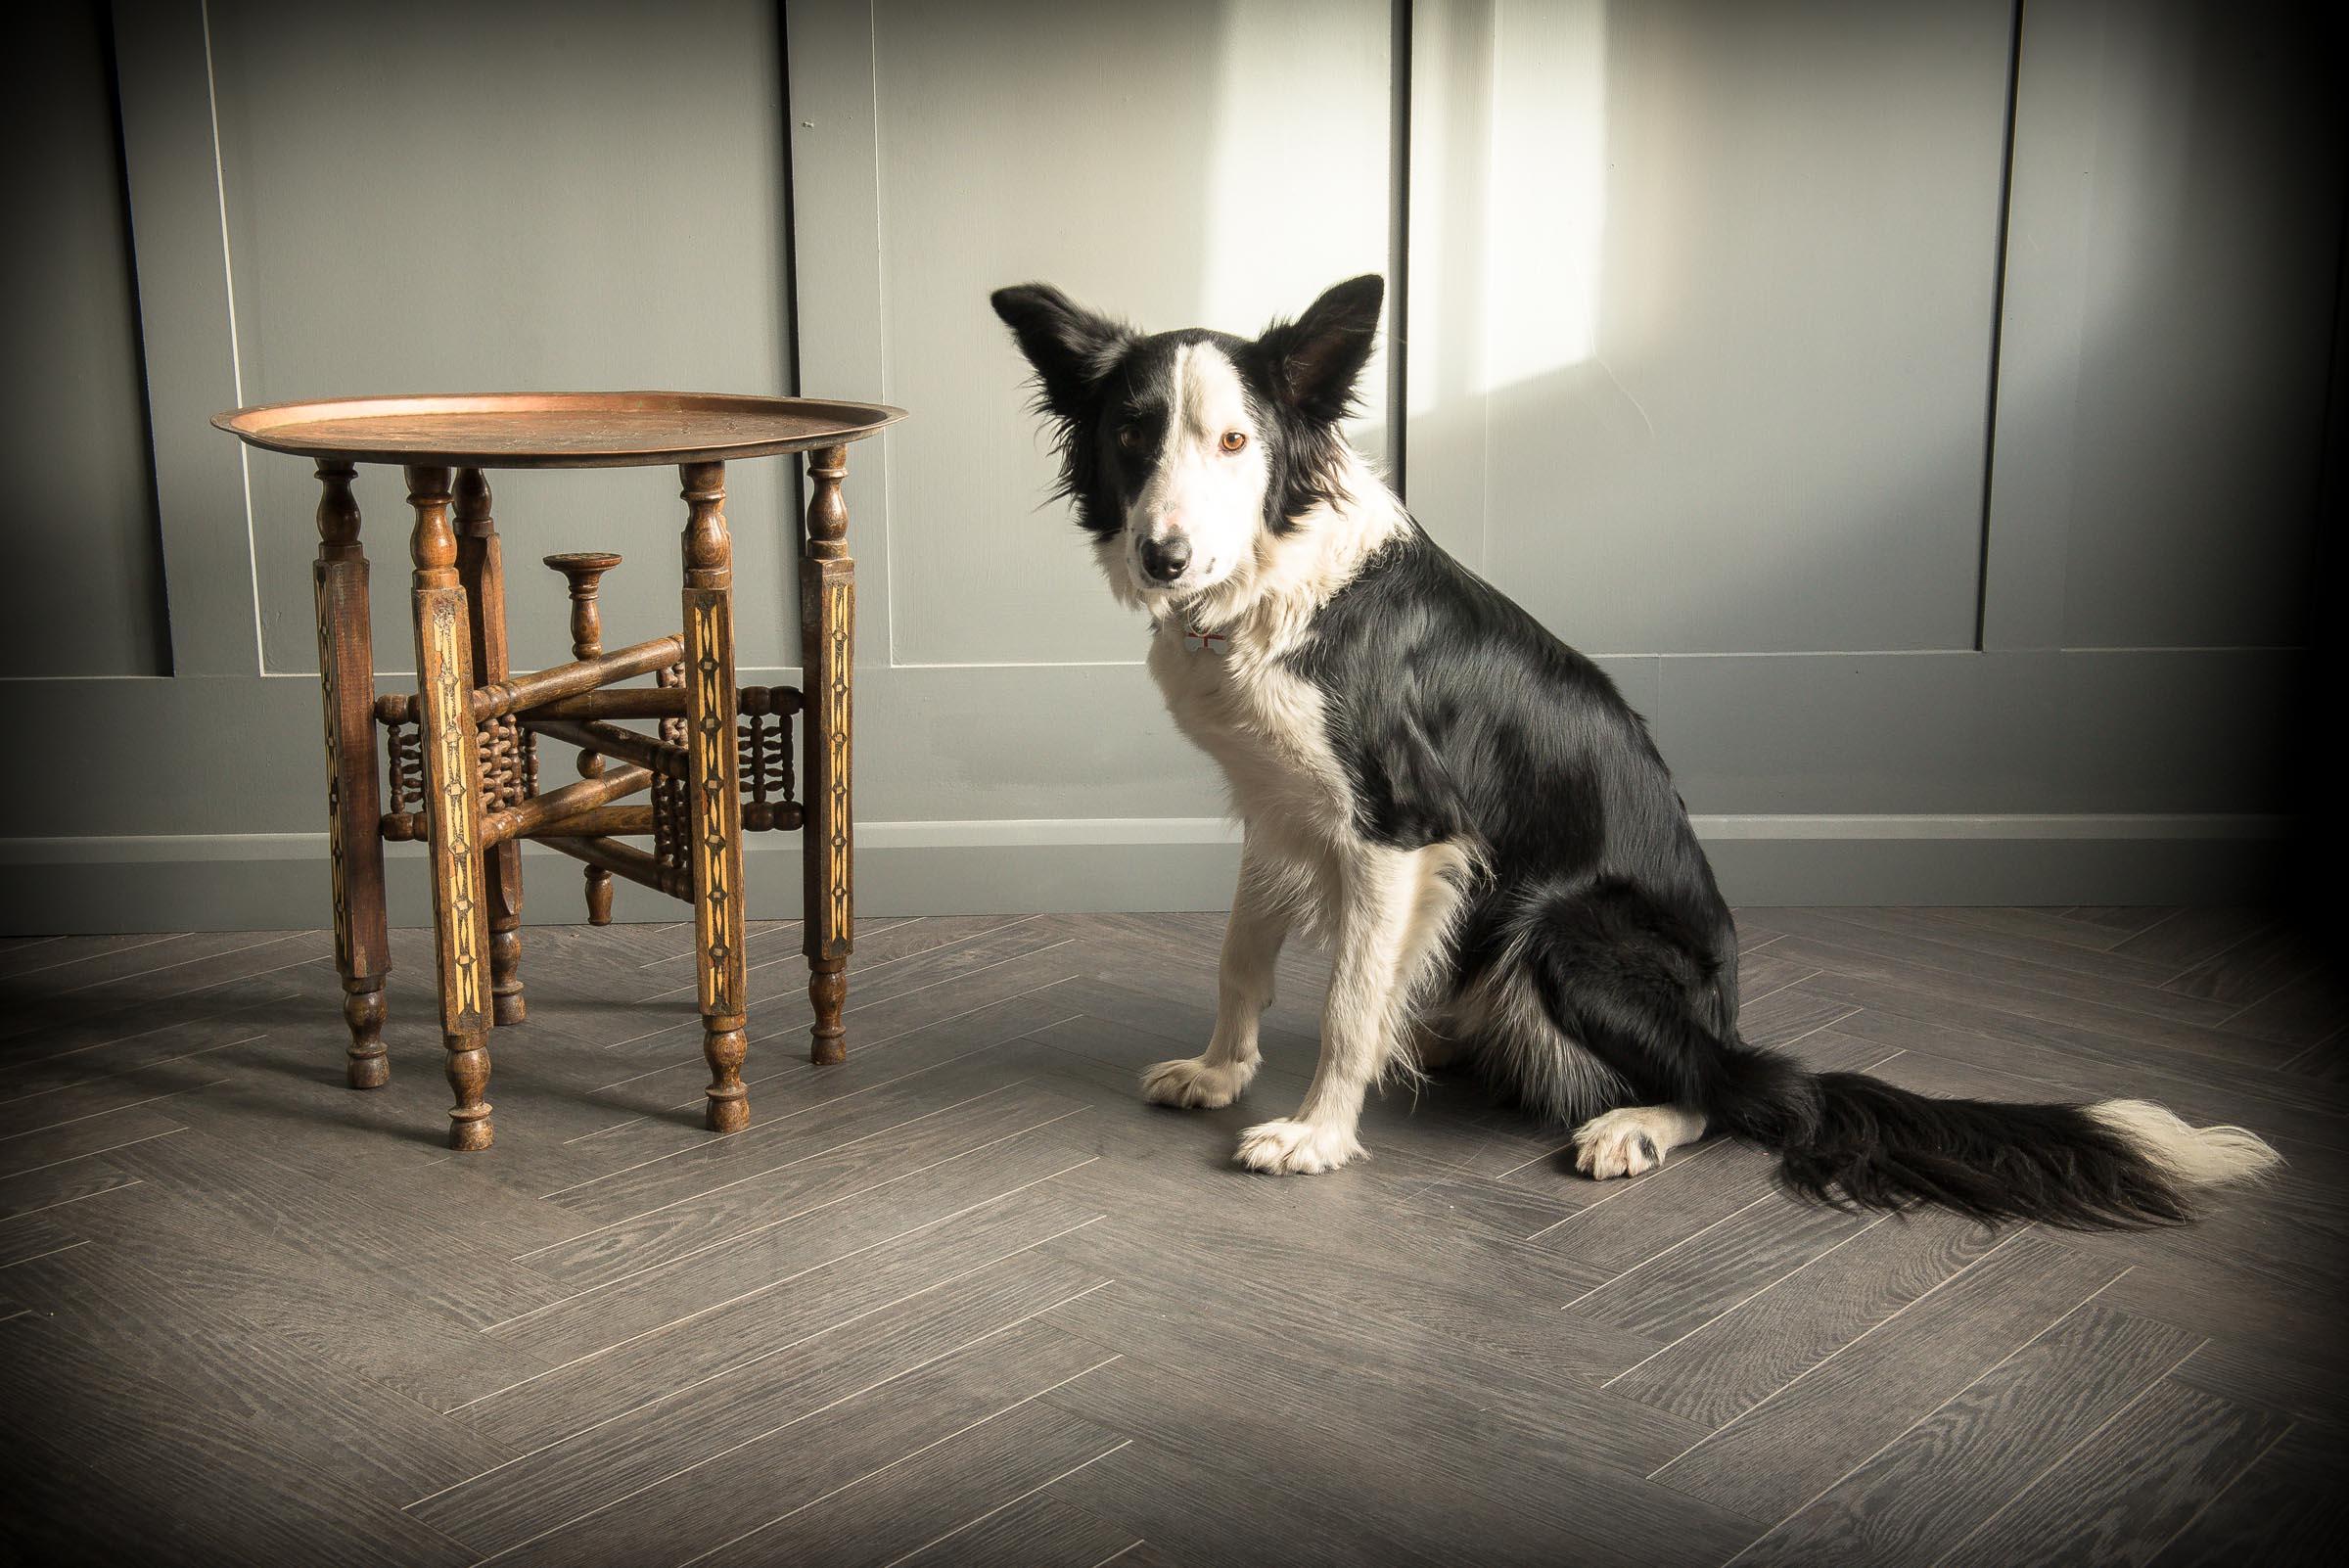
(777, 976)
(1681, 1290)
(222, 1487)
(640, 1173)
(1763, 971)
(447, 1235)
(1037, 1531)
(677, 1220)
(549, 1488)
(893, 1037)
(1503, 1482)
(118, 1321)
(48, 1099)
(23, 954)
(79, 1140)
(1789, 1015)
(1935, 931)
(2051, 926)
(239, 976)
(2126, 918)
(34, 1235)
(370, 1314)
(930, 1492)
(2301, 1012)
(88, 960)
(1791, 1447)
(1727, 1366)
(2254, 968)
(1880, 986)
(1942, 1479)
(807, 1295)
(2122, 1495)
(2288, 1510)
(2192, 935)
(1455, 1375)
(1202, 1505)
(795, 1467)
(56, 1185)
(655, 1296)
(1863, 951)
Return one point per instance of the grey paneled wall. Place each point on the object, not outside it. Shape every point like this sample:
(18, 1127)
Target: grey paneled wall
(83, 592)
(2170, 285)
(453, 195)
(1701, 313)
(1171, 163)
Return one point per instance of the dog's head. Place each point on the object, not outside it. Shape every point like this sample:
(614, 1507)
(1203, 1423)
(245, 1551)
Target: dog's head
(1188, 453)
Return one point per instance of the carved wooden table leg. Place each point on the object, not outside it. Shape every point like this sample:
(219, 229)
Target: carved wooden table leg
(828, 631)
(584, 570)
(480, 567)
(354, 808)
(452, 805)
(713, 797)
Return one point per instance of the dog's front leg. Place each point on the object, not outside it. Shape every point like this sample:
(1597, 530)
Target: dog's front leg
(1394, 908)
(1251, 939)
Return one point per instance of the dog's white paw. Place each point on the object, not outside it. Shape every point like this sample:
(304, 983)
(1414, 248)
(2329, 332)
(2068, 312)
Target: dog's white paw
(1289, 1147)
(1196, 1084)
(1620, 1143)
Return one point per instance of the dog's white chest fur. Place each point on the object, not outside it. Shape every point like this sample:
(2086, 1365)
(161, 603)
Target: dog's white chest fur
(1266, 729)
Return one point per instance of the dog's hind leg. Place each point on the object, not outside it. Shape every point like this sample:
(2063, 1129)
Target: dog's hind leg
(1635, 1140)
(1251, 939)
(1395, 911)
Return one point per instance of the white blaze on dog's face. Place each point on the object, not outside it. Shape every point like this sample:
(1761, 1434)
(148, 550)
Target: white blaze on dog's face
(1189, 453)
(1198, 498)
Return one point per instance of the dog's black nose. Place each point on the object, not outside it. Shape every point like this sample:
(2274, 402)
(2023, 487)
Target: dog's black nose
(1162, 560)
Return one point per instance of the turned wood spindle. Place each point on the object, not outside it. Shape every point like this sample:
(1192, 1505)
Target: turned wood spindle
(828, 634)
(354, 805)
(584, 570)
(712, 791)
(480, 567)
(452, 806)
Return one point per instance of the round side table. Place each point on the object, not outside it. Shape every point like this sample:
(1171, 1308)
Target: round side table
(461, 753)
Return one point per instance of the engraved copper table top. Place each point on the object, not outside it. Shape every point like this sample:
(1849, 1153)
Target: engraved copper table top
(555, 429)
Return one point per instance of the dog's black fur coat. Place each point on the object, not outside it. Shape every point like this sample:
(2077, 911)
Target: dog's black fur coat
(1458, 716)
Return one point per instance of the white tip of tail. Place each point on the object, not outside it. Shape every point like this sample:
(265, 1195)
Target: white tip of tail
(2194, 1155)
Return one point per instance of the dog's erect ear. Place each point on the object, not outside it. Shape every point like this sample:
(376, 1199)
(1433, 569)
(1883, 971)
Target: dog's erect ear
(1316, 358)
(1070, 347)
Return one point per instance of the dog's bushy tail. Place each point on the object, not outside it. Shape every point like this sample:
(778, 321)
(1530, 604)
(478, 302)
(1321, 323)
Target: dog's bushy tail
(1856, 1141)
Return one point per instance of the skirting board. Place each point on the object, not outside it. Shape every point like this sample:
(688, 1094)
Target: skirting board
(277, 881)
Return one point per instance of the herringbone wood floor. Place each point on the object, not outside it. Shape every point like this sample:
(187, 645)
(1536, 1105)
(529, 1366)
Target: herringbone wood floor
(966, 1300)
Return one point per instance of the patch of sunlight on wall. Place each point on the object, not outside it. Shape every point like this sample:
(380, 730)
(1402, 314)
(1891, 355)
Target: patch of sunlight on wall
(1297, 197)
(1506, 97)
(1548, 137)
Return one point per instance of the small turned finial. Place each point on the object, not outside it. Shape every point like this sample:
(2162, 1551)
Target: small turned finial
(432, 546)
(584, 570)
(708, 545)
(473, 502)
(827, 508)
(337, 510)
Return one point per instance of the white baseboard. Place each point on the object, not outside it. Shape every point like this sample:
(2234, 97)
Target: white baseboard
(273, 880)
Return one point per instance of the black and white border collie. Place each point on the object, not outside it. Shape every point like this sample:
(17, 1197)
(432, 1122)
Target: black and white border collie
(1469, 815)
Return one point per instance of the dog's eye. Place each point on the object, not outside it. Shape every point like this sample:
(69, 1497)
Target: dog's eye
(1130, 436)
(1235, 440)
